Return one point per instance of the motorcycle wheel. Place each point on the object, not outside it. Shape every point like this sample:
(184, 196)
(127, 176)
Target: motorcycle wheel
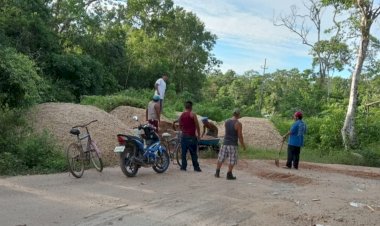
(162, 163)
(128, 167)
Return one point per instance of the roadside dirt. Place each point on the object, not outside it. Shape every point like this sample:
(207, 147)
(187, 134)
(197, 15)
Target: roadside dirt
(263, 194)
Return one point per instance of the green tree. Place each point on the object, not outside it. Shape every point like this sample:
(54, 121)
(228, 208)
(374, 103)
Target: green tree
(330, 54)
(20, 84)
(363, 19)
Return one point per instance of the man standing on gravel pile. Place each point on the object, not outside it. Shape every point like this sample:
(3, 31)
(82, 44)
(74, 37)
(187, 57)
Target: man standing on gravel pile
(295, 142)
(160, 88)
(234, 131)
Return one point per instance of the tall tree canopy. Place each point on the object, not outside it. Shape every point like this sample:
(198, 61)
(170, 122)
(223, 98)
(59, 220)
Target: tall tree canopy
(87, 47)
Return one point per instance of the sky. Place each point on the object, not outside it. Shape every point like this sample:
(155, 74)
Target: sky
(247, 36)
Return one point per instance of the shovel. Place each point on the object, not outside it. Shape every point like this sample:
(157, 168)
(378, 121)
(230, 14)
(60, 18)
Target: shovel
(277, 161)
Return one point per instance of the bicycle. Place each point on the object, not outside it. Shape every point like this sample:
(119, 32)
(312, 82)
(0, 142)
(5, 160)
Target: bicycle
(77, 154)
(172, 144)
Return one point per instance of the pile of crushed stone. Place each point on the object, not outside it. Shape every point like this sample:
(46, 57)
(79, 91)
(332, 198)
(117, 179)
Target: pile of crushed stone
(259, 133)
(59, 118)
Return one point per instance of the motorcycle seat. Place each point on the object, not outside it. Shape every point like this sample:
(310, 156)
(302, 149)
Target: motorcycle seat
(130, 137)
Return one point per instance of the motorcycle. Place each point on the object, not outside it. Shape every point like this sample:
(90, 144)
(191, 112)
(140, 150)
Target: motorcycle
(142, 150)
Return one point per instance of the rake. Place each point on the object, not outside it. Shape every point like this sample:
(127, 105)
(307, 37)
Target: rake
(277, 161)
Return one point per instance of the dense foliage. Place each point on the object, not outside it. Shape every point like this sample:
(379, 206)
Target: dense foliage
(22, 151)
(99, 47)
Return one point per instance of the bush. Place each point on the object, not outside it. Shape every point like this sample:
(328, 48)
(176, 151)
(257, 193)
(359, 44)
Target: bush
(108, 103)
(368, 127)
(282, 124)
(330, 125)
(22, 151)
(211, 111)
(40, 153)
(84, 74)
(20, 83)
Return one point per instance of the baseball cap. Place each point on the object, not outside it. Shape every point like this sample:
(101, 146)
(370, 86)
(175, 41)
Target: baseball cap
(156, 97)
(236, 111)
(204, 119)
(298, 114)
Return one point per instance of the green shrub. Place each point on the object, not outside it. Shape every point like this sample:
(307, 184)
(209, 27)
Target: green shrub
(20, 83)
(40, 153)
(212, 111)
(9, 164)
(250, 111)
(330, 125)
(108, 103)
(282, 124)
(22, 151)
(368, 127)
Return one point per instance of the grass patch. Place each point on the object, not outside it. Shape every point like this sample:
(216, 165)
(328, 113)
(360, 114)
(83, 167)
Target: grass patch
(252, 153)
(108, 103)
(361, 157)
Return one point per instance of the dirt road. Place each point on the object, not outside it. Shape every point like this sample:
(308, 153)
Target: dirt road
(262, 195)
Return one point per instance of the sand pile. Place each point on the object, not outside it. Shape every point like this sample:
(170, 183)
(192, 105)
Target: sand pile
(59, 118)
(258, 133)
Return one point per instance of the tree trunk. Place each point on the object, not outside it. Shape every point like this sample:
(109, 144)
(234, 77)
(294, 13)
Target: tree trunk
(348, 130)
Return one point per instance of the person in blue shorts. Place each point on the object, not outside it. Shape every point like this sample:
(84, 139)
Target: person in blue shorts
(296, 140)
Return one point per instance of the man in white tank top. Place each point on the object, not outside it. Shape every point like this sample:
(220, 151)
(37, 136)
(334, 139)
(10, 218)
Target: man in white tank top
(152, 113)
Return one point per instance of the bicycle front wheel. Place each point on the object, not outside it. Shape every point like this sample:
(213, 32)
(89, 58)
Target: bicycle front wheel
(95, 158)
(167, 148)
(75, 159)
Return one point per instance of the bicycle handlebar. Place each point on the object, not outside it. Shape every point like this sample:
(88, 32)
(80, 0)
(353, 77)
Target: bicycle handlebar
(85, 125)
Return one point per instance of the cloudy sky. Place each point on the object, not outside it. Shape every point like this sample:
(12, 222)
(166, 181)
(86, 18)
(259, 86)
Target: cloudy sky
(247, 36)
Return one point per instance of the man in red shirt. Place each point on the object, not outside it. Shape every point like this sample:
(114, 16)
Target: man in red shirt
(188, 123)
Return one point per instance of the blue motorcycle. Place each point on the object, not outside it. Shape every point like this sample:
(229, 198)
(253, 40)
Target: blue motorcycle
(142, 150)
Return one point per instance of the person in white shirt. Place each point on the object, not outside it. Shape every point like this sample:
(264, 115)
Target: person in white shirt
(160, 87)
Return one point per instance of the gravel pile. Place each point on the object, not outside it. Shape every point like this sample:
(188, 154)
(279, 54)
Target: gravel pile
(258, 133)
(59, 118)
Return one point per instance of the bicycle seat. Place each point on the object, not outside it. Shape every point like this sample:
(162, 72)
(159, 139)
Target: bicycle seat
(75, 131)
(166, 135)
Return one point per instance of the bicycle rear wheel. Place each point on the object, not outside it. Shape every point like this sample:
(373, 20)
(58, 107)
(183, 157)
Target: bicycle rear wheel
(178, 155)
(95, 158)
(75, 159)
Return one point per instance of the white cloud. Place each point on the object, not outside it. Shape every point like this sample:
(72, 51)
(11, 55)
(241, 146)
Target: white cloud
(247, 27)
